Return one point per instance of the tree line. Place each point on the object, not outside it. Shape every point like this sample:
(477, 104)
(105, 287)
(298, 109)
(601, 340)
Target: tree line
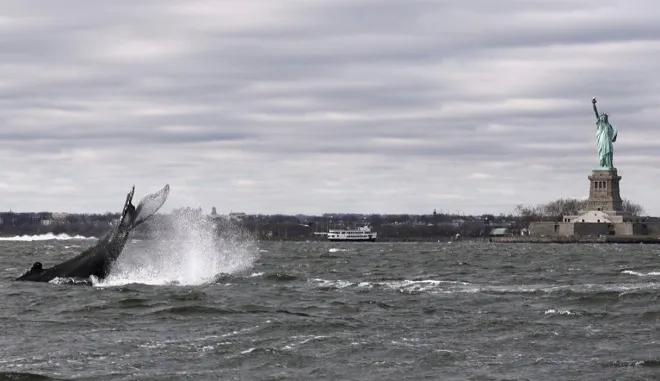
(568, 207)
(401, 227)
(555, 210)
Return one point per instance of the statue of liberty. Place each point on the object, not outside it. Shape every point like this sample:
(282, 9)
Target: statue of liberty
(605, 136)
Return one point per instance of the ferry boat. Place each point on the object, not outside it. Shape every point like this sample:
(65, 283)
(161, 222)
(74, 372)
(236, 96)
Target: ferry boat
(363, 234)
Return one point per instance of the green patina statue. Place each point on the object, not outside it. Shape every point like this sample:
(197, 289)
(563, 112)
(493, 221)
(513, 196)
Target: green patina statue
(605, 136)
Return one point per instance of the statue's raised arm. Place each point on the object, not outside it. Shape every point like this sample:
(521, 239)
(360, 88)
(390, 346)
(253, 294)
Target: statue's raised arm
(593, 101)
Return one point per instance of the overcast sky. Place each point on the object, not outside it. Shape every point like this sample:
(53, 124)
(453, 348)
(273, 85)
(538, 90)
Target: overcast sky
(315, 106)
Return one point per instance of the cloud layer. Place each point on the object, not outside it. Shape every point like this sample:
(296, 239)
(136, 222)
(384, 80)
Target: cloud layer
(299, 106)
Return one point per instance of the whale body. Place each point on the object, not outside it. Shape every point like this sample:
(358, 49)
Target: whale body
(98, 259)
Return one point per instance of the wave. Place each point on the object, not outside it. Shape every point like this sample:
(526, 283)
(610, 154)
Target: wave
(454, 286)
(630, 272)
(624, 364)
(44, 237)
(74, 281)
(553, 311)
(19, 376)
(191, 310)
(280, 277)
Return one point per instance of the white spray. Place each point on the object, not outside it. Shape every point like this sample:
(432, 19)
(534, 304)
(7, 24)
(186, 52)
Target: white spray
(193, 250)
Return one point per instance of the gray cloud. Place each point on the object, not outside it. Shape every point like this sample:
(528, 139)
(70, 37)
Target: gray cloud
(323, 106)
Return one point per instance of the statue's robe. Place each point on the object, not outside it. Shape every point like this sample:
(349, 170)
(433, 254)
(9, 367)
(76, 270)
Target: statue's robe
(605, 136)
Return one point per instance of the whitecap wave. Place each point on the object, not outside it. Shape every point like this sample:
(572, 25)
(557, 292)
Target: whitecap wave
(553, 311)
(409, 286)
(325, 283)
(637, 273)
(45, 237)
(434, 286)
(303, 339)
(66, 280)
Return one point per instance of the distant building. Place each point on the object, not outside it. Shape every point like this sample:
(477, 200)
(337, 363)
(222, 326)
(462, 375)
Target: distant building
(214, 212)
(237, 216)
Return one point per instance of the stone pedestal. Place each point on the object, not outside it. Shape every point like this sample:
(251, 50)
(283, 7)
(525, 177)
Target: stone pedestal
(604, 193)
(604, 214)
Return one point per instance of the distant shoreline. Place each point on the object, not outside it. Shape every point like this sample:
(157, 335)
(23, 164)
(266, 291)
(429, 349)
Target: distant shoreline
(578, 239)
(41, 237)
(278, 239)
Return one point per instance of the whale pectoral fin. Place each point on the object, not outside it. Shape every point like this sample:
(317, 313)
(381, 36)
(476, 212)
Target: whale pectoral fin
(149, 205)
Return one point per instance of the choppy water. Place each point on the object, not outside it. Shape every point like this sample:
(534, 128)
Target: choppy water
(323, 311)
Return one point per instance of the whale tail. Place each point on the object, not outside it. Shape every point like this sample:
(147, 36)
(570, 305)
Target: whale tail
(98, 259)
(132, 216)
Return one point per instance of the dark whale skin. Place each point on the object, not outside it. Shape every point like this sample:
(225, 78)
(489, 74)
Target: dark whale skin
(98, 259)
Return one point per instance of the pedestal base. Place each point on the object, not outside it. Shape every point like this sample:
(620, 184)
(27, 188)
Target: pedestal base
(604, 193)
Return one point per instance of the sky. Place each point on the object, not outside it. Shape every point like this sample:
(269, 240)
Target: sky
(324, 106)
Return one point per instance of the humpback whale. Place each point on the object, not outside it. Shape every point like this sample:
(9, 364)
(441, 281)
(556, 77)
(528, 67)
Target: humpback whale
(98, 259)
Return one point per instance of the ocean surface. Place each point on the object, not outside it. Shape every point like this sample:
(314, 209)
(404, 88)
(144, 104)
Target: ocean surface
(335, 311)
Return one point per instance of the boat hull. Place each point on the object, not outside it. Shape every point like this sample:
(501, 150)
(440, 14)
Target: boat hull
(352, 239)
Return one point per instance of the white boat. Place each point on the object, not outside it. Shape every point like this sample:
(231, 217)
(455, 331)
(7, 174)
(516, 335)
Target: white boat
(363, 234)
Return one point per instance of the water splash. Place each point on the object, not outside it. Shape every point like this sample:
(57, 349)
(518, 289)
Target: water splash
(190, 249)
